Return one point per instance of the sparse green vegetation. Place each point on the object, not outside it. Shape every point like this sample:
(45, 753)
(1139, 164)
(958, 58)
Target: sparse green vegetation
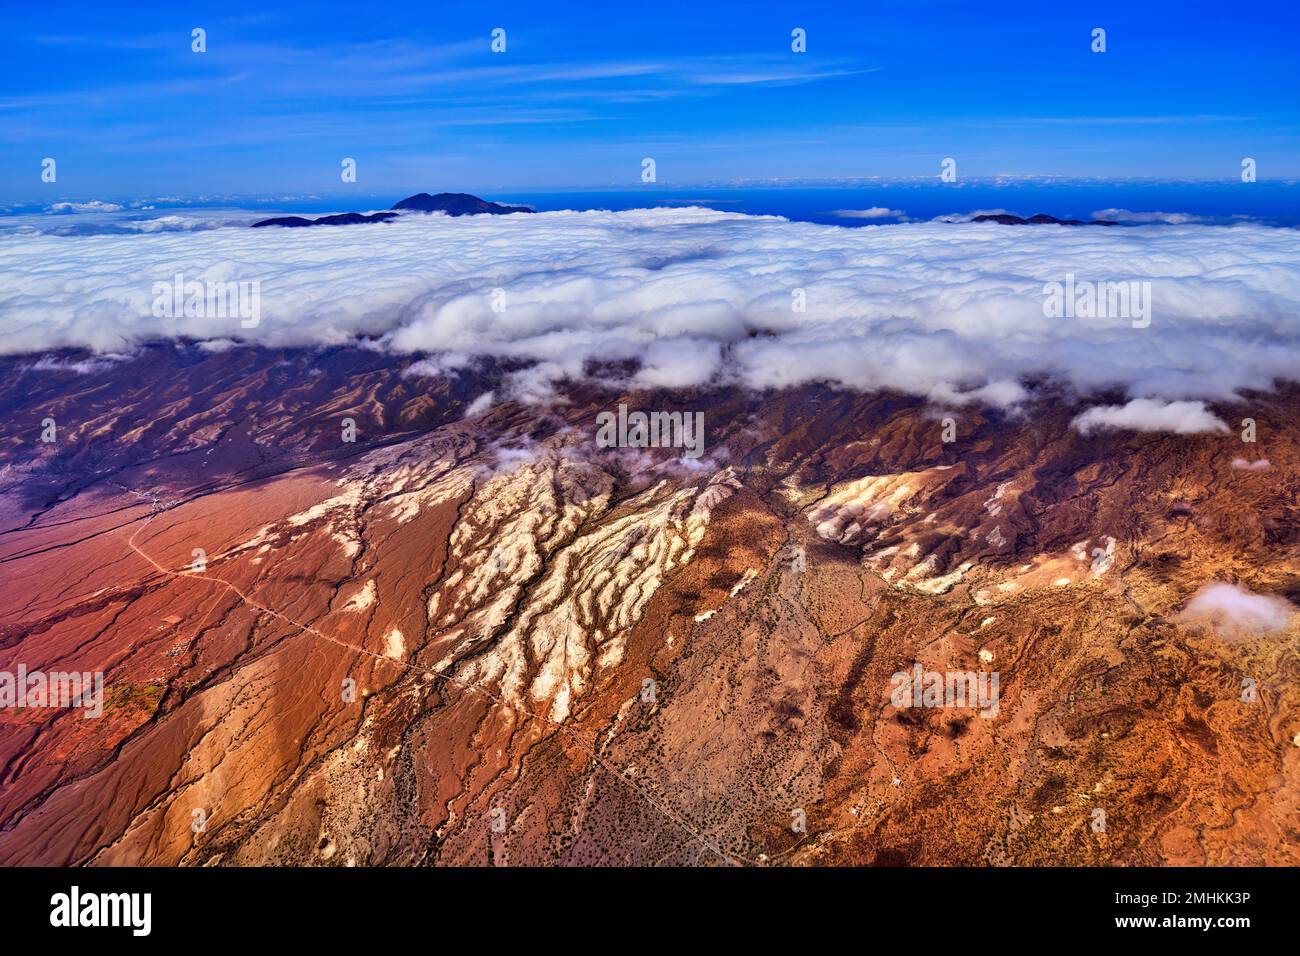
(133, 697)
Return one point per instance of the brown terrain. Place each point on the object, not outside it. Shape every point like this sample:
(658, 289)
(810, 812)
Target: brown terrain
(569, 655)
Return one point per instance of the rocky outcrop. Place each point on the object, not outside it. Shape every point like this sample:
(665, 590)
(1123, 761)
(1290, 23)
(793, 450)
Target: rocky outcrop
(485, 640)
(456, 204)
(340, 219)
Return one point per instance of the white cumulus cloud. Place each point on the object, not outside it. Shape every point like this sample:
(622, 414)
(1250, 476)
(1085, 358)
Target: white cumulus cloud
(1128, 215)
(1233, 611)
(1150, 415)
(875, 212)
(1259, 464)
(94, 205)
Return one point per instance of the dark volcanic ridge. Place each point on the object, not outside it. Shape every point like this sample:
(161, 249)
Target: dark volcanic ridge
(464, 204)
(340, 219)
(1041, 219)
(453, 204)
(457, 204)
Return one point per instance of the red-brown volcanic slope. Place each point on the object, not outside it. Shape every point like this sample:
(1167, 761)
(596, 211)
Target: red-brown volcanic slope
(499, 589)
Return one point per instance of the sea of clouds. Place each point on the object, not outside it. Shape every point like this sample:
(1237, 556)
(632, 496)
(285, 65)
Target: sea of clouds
(950, 311)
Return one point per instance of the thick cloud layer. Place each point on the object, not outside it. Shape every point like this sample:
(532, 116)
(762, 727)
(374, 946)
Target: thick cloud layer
(950, 311)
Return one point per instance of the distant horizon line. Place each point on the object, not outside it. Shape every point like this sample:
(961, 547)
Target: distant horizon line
(876, 182)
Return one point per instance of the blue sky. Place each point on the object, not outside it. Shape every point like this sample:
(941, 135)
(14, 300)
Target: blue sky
(583, 92)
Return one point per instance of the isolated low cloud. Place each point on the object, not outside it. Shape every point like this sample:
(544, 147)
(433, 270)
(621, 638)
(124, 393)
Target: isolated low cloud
(875, 212)
(94, 205)
(1259, 464)
(691, 296)
(50, 363)
(1233, 611)
(438, 366)
(1128, 215)
(1150, 415)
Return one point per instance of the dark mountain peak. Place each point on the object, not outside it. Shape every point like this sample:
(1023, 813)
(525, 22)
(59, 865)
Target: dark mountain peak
(456, 204)
(1042, 218)
(340, 219)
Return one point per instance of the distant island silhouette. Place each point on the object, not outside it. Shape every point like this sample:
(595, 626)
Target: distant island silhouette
(453, 204)
(1007, 219)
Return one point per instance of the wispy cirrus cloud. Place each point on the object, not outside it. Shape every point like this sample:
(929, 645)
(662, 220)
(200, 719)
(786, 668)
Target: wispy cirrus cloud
(774, 75)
